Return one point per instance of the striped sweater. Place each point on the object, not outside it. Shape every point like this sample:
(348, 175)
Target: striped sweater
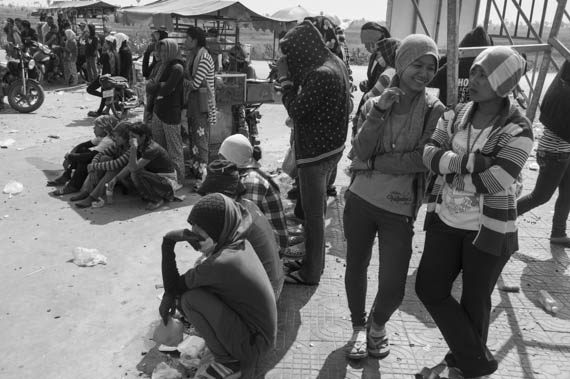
(509, 145)
(112, 158)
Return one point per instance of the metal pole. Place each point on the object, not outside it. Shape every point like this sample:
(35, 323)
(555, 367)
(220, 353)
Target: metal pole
(487, 15)
(419, 15)
(531, 111)
(452, 52)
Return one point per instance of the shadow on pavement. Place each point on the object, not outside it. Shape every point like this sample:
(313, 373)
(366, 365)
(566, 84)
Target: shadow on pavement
(292, 299)
(87, 121)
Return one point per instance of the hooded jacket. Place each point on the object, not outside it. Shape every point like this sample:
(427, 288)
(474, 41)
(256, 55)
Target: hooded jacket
(476, 38)
(319, 101)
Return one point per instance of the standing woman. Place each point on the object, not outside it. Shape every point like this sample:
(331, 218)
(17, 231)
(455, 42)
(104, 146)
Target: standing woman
(387, 191)
(70, 58)
(125, 55)
(91, 51)
(470, 224)
(199, 73)
(167, 90)
(553, 157)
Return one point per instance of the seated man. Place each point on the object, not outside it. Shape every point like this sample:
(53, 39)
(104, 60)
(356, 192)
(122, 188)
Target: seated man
(227, 297)
(223, 177)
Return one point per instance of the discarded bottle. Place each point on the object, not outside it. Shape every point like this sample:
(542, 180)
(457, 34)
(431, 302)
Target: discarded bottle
(547, 301)
(108, 193)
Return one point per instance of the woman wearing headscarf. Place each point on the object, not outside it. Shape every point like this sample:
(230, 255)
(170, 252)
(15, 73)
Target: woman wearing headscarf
(227, 297)
(91, 52)
(125, 55)
(201, 111)
(149, 69)
(167, 90)
(387, 191)
(77, 160)
(70, 58)
(477, 153)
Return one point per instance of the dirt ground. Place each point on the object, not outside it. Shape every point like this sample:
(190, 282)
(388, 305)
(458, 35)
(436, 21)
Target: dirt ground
(59, 320)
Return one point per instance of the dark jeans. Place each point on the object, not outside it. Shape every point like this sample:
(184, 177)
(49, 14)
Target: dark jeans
(362, 223)
(298, 211)
(92, 89)
(554, 173)
(313, 181)
(78, 162)
(464, 325)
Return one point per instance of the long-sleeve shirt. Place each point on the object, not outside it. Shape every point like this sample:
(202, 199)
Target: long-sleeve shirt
(236, 277)
(119, 155)
(509, 145)
(262, 193)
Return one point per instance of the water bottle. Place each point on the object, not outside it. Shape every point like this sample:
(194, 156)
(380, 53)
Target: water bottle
(547, 301)
(108, 193)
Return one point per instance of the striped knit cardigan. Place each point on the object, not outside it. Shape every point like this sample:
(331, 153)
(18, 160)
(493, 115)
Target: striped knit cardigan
(509, 145)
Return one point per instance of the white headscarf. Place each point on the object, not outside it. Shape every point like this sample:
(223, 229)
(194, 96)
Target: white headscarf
(120, 38)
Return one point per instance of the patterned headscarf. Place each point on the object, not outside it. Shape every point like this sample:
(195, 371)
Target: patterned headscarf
(172, 52)
(327, 28)
(386, 49)
(504, 68)
(106, 122)
(70, 35)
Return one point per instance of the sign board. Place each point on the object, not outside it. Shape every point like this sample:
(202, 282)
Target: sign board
(402, 19)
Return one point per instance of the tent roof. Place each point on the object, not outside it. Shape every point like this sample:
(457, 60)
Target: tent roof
(80, 5)
(208, 9)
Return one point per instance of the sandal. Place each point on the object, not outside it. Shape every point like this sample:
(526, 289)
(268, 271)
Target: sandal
(64, 191)
(79, 196)
(295, 252)
(378, 347)
(294, 277)
(294, 265)
(294, 240)
(218, 370)
(151, 206)
(356, 347)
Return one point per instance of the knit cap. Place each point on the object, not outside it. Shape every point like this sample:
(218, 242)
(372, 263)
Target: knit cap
(412, 48)
(209, 214)
(237, 149)
(504, 68)
(223, 177)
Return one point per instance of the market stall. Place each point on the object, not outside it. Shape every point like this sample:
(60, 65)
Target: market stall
(226, 18)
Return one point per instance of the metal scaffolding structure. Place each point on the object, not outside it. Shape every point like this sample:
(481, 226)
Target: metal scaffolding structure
(526, 39)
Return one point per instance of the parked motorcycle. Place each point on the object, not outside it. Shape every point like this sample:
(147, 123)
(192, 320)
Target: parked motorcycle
(47, 61)
(119, 97)
(20, 82)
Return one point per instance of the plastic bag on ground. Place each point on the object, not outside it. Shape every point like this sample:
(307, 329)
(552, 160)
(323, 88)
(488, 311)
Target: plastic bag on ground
(13, 188)
(85, 257)
(169, 335)
(192, 346)
(164, 371)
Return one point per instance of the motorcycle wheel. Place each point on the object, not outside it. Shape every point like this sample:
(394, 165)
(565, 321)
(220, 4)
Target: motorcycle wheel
(25, 102)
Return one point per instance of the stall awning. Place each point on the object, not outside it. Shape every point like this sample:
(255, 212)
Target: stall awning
(155, 13)
(80, 5)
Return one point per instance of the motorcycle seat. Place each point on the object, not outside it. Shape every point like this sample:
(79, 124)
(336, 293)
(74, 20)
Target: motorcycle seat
(108, 82)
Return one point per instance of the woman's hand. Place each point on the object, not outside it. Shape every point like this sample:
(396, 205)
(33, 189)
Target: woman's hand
(388, 98)
(167, 307)
(134, 143)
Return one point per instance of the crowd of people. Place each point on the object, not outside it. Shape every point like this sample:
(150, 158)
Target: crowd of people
(407, 148)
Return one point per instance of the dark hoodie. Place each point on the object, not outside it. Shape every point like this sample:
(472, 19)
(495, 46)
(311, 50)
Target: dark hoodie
(319, 101)
(476, 38)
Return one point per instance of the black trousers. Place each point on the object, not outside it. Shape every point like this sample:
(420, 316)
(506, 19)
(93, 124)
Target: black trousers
(464, 324)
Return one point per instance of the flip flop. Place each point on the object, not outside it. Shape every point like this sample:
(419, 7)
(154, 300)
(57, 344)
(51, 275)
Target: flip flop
(356, 349)
(294, 265)
(294, 277)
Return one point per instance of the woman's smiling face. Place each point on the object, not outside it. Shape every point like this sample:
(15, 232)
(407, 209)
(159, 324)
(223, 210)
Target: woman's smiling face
(419, 74)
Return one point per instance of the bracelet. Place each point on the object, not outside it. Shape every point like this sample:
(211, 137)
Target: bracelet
(283, 78)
